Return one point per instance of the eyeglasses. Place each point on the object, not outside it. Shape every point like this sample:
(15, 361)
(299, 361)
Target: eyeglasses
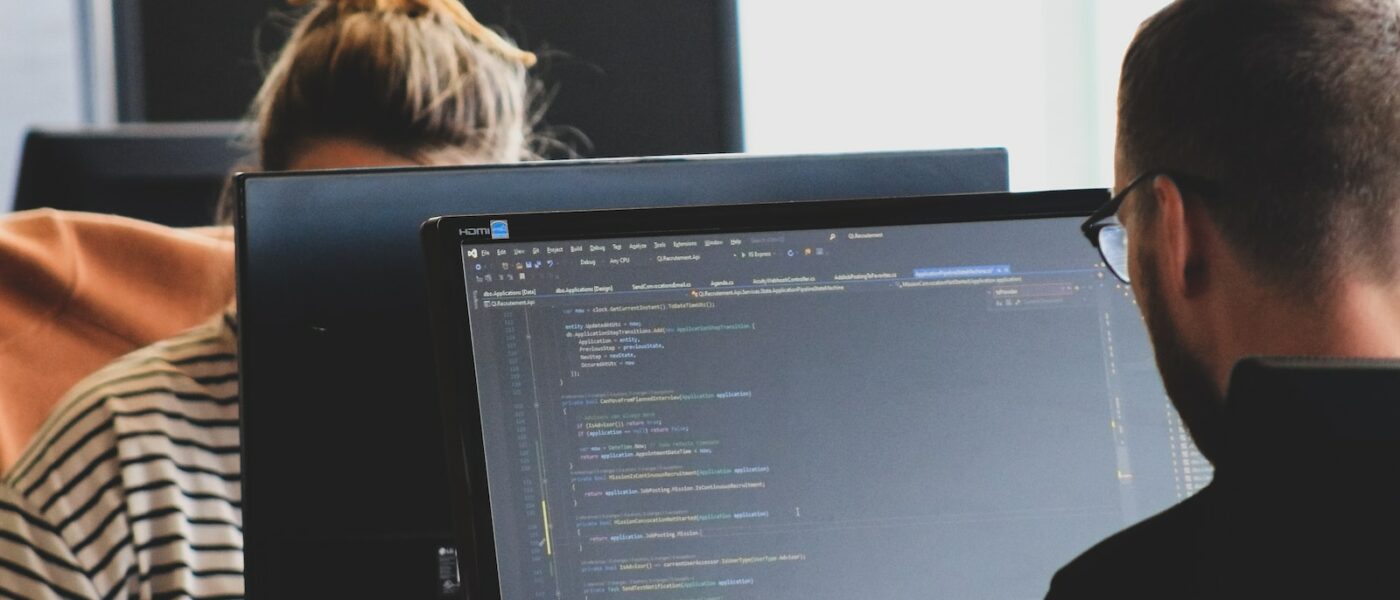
(1106, 232)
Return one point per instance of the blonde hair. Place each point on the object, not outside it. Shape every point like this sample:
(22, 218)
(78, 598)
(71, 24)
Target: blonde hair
(419, 78)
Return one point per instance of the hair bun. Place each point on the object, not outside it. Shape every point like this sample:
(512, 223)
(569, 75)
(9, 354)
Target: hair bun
(452, 9)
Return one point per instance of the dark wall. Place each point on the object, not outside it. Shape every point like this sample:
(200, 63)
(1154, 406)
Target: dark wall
(637, 77)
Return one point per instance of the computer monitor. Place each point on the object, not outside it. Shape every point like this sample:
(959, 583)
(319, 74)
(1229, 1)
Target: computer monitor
(623, 69)
(168, 173)
(896, 399)
(343, 459)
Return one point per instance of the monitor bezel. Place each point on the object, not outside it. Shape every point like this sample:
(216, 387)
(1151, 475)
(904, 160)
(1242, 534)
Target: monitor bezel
(453, 354)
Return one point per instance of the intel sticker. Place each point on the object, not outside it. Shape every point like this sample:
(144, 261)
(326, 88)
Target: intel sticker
(500, 230)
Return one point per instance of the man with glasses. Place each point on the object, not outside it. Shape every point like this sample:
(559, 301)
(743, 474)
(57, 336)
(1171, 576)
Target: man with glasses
(1258, 171)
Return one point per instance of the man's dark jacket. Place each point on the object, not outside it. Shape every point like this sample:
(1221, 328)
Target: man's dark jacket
(1305, 502)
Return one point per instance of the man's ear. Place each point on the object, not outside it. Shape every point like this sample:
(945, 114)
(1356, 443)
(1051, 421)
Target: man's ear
(1183, 230)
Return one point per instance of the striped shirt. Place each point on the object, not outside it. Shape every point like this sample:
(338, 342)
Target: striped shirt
(131, 489)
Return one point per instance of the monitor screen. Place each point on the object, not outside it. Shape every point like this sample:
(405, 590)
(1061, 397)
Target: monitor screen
(949, 410)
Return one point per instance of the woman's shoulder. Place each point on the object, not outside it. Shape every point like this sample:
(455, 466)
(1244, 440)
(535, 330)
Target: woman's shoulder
(138, 469)
(193, 374)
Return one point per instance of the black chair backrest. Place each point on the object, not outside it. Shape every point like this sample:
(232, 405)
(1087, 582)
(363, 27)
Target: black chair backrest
(168, 173)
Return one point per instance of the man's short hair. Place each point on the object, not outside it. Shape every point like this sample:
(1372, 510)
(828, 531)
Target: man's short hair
(1292, 107)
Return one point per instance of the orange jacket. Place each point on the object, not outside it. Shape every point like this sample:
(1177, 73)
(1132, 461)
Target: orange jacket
(78, 290)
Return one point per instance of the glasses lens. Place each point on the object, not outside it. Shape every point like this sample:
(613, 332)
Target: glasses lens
(1113, 244)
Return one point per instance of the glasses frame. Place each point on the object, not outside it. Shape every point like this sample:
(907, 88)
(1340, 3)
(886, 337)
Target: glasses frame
(1107, 215)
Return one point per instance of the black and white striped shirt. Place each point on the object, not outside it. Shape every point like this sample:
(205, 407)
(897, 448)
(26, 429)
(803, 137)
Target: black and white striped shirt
(131, 489)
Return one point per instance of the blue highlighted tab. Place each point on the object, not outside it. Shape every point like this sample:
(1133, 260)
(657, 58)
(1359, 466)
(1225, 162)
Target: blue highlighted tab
(960, 272)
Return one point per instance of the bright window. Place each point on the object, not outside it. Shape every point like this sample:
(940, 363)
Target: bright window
(1038, 77)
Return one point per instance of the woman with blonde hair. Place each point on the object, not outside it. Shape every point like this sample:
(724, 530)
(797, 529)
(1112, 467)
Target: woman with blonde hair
(369, 82)
(131, 488)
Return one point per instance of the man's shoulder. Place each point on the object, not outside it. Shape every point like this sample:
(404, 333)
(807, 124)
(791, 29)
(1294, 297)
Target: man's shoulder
(1154, 558)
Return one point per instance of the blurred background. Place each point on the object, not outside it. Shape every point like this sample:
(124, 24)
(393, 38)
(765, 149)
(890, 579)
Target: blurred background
(1037, 77)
